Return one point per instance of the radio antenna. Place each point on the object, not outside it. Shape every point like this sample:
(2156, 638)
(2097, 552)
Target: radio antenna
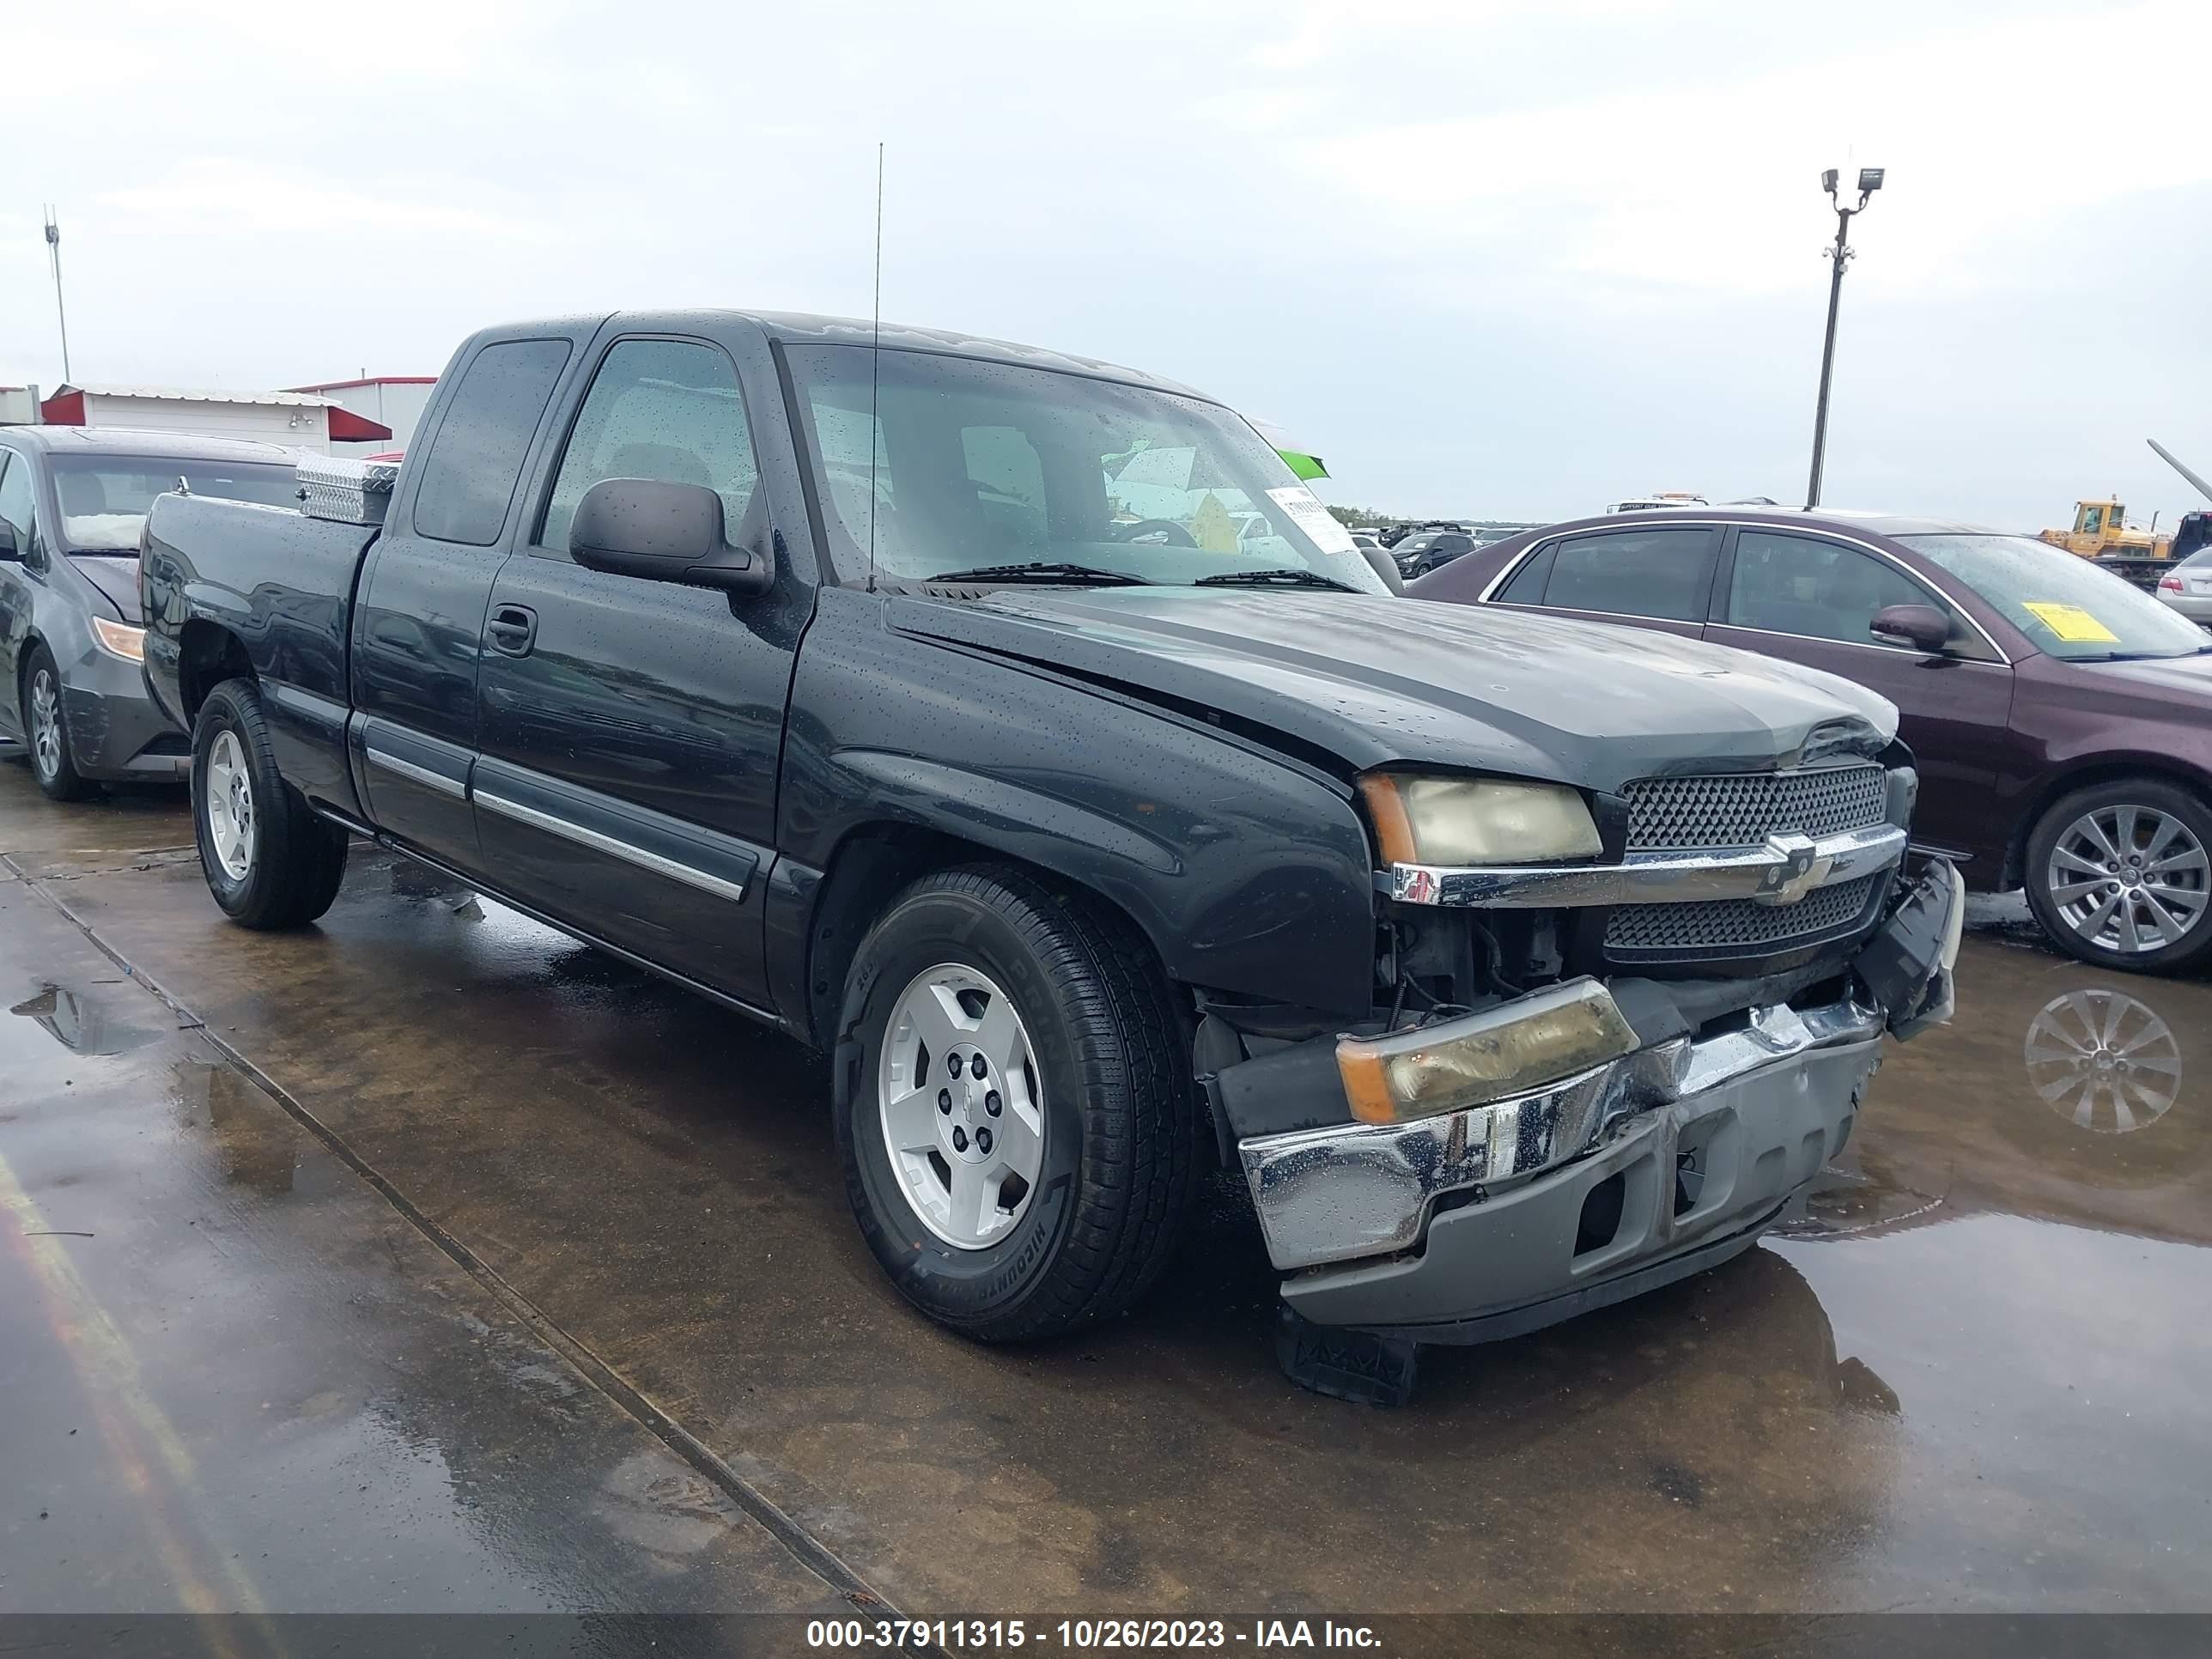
(875, 362)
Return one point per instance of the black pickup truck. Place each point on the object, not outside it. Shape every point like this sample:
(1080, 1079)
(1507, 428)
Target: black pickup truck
(1017, 729)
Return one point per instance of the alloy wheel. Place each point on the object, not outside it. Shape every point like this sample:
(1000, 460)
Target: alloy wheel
(962, 1116)
(2103, 1060)
(45, 724)
(230, 817)
(2129, 879)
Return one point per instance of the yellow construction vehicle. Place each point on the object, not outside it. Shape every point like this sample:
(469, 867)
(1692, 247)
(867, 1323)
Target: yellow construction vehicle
(2101, 529)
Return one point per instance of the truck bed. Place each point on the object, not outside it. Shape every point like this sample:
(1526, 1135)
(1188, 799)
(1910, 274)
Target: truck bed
(281, 582)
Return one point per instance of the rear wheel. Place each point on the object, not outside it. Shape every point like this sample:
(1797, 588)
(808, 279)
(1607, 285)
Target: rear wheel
(2120, 874)
(269, 861)
(1013, 1105)
(45, 731)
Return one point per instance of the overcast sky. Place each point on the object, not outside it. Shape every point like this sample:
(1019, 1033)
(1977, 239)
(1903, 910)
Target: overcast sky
(1501, 258)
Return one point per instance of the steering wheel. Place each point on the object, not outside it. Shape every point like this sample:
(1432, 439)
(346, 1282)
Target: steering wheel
(1170, 533)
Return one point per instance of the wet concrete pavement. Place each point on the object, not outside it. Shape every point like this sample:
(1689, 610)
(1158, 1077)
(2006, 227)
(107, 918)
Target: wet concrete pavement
(1972, 1377)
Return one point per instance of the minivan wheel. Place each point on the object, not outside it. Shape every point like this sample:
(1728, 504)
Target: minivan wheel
(45, 731)
(268, 860)
(2120, 874)
(1013, 1105)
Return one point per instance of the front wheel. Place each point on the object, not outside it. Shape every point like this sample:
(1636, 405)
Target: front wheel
(1014, 1106)
(269, 861)
(2118, 875)
(47, 727)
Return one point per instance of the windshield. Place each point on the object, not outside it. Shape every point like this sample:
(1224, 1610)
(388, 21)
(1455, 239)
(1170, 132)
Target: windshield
(105, 499)
(984, 465)
(2066, 605)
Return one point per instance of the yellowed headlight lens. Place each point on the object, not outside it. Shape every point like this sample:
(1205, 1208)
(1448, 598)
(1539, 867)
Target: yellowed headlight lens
(1477, 821)
(121, 639)
(1492, 1055)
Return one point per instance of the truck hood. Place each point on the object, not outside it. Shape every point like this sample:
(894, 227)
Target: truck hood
(116, 581)
(1372, 681)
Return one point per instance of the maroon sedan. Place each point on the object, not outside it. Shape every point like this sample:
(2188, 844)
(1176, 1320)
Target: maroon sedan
(2061, 719)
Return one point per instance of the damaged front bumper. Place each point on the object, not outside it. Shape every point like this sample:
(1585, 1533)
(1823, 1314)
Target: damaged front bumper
(1497, 1218)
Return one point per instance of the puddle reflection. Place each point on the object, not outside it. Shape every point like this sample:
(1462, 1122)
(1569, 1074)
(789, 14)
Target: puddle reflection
(77, 1022)
(2104, 1061)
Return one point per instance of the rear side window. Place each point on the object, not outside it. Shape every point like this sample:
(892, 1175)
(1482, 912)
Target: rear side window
(1526, 586)
(475, 460)
(1633, 572)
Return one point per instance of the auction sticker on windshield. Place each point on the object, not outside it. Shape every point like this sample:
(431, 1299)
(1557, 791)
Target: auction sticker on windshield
(2070, 622)
(1317, 521)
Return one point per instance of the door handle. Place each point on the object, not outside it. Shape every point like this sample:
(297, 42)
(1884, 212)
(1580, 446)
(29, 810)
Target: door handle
(511, 630)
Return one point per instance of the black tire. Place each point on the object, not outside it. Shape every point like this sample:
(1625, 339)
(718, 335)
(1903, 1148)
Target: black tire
(2146, 794)
(51, 763)
(1121, 1145)
(296, 860)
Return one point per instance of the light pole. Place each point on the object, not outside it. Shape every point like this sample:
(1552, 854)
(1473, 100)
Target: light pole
(61, 313)
(1870, 182)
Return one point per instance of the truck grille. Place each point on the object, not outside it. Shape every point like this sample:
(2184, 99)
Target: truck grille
(1742, 809)
(1716, 928)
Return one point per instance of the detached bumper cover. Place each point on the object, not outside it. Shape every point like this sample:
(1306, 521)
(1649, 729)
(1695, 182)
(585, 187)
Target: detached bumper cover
(1480, 1223)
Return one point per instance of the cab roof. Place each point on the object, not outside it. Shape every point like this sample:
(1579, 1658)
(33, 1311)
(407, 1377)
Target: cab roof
(146, 441)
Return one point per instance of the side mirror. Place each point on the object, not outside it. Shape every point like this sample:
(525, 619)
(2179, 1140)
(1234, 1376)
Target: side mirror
(663, 532)
(10, 553)
(1919, 626)
(1385, 566)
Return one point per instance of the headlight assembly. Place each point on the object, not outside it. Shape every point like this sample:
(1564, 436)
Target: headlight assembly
(120, 639)
(1469, 1061)
(1477, 821)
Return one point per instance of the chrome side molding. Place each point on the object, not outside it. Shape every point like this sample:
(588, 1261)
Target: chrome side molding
(674, 870)
(423, 775)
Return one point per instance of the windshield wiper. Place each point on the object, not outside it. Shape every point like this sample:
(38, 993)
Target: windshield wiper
(1290, 576)
(1070, 575)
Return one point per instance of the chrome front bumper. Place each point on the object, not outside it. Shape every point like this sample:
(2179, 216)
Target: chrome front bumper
(1360, 1190)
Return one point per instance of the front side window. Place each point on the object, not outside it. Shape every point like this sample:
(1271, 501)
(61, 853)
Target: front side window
(104, 500)
(1633, 572)
(2093, 520)
(1814, 589)
(475, 460)
(967, 465)
(668, 411)
(2064, 603)
(16, 508)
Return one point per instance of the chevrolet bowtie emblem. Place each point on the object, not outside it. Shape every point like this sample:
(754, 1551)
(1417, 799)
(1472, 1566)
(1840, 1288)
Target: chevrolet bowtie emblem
(1803, 868)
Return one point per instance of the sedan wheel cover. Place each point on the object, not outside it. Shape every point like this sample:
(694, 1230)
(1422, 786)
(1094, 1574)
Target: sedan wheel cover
(958, 1095)
(2129, 879)
(232, 826)
(2102, 1061)
(45, 724)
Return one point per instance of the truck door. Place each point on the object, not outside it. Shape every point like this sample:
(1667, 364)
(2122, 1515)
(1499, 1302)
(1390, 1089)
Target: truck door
(419, 611)
(631, 729)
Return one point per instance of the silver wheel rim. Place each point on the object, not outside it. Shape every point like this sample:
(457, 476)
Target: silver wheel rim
(230, 819)
(2129, 879)
(2104, 1061)
(45, 724)
(958, 1092)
